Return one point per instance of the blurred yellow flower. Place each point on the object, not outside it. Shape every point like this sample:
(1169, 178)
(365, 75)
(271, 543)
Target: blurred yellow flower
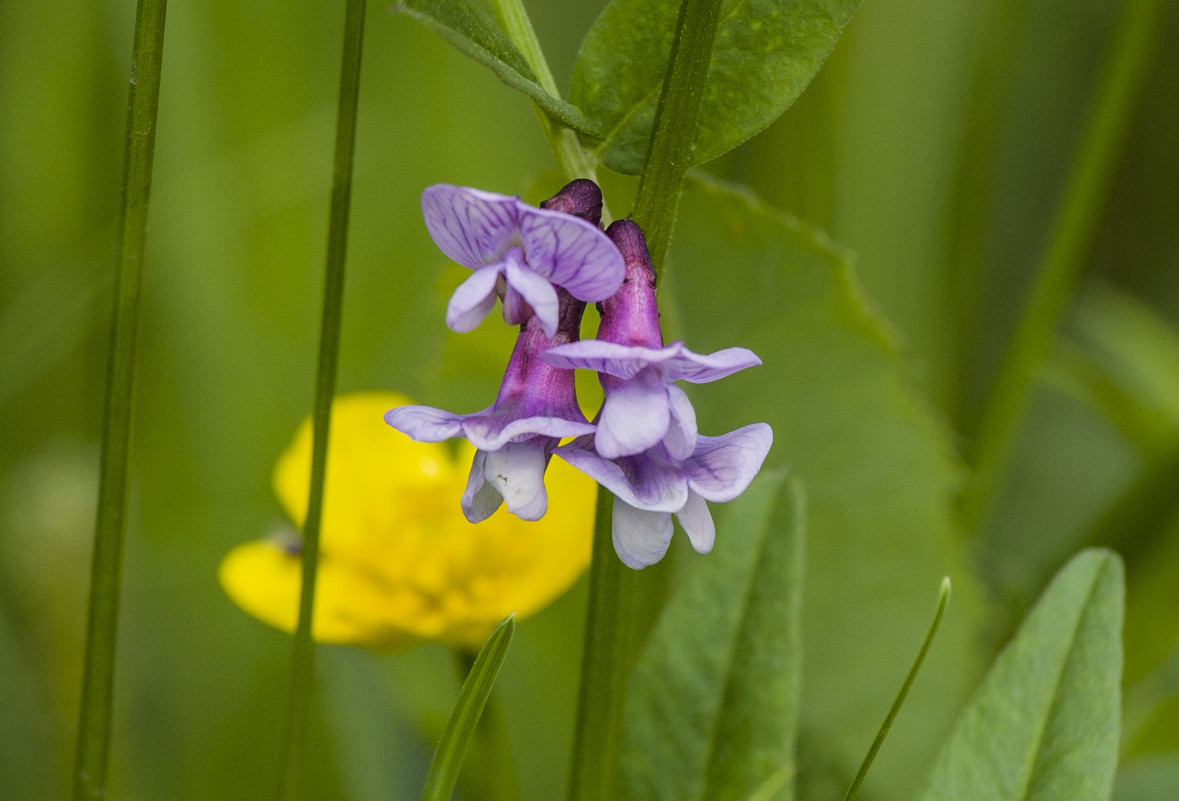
(398, 561)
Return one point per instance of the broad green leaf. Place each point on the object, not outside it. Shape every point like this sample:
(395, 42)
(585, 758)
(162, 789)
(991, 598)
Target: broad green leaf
(712, 706)
(460, 728)
(880, 472)
(475, 34)
(1044, 724)
(765, 54)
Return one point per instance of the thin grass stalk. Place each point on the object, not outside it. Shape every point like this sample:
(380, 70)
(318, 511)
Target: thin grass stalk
(303, 658)
(94, 721)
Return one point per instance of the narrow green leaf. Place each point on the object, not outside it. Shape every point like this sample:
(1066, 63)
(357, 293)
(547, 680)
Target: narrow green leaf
(943, 600)
(1044, 724)
(713, 703)
(766, 53)
(464, 717)
(473, 32)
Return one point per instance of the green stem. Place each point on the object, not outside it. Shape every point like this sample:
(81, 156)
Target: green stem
(303, 660)
(672, 138)
(1123, 74)
(573, 159)
(606, 664)
(94, 723)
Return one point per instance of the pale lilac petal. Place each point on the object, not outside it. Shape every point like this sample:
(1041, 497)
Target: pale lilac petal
(680, 440)
(425, 423)
(516, 309)
(572, 253)
(620, 361)
(517, 473)
(699, 368)
(470, 226)
(634, 417)
(480, 499)
(492, 431)
(722, 467)
(472, 300)
(640, 537)
(645, 481)
(537, 291)
(697, 523)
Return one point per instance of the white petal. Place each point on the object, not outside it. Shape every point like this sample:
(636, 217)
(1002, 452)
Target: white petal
(480, 499)
(472, 300)
(634, 417)
(517, 473)
(640, 537)
(697, 523)
(535, 289)
(680, 440)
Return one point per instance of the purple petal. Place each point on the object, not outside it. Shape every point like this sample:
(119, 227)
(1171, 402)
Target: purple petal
(572, 253)
(470, 226)
(634, 417)
(680, 440)
(480, 499)
(472, 300)
(697, 523)
(645, 481)
(640, 537)
(721, 467)
(517, 473)
(620, 361)
(537, 291)
(697, 368)
(425, 423)
(492, 431)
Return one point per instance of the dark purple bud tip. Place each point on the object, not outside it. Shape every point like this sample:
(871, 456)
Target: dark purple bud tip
(628, 238)
(630, 316)
(581, 198)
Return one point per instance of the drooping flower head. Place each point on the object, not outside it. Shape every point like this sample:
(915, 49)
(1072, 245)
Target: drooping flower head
(515, 436)
(522, 253)
(398, 563)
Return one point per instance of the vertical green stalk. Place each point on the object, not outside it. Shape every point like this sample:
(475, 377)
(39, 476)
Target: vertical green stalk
(606, 664)
(674, 134)
(94, 723)
(303, 660)
(1122, 77)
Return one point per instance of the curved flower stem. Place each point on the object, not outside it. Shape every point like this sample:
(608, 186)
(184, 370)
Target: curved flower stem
(1123, 75)
(573, 159)
(303, 660)
(670, 153)
(94, 723)
(606, 664)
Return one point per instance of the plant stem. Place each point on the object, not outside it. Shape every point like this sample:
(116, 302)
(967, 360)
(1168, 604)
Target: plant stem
(574, 160)
(1122, 77)
(303, 659)
(606, 665)
(94, 723)
(673, 136)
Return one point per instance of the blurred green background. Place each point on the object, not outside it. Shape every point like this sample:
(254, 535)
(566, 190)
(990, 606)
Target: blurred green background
(936, 144)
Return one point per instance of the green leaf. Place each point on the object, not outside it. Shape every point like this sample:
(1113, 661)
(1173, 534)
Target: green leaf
(1154, 778)
(712, 705)
(460, 728)
(880, 472)
(474, 33)
(766, 52)
(1044, 724)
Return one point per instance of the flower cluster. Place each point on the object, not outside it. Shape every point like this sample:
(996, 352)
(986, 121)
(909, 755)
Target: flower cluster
(544, 264)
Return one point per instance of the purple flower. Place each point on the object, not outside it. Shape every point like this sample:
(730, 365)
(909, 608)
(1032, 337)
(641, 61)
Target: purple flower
(643, 407)
(514, 437)
(651, 486)
(522, 253)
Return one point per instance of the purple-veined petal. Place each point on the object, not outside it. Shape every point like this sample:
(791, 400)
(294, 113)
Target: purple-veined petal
(680, 440)
(472, 300)
(425, 423)
(645, 481)
(697, 523)
(517, 473)
(572, 253)
(480, 499)
(471, 226)
(721, 467)
(640, 537)
(536, 290)
(700, 368)
(634, 417)
(492, 431)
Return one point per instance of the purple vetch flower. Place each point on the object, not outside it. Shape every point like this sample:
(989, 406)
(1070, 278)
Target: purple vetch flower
(522, 253)
(514, 437)
(643, 406)
(651, 486)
